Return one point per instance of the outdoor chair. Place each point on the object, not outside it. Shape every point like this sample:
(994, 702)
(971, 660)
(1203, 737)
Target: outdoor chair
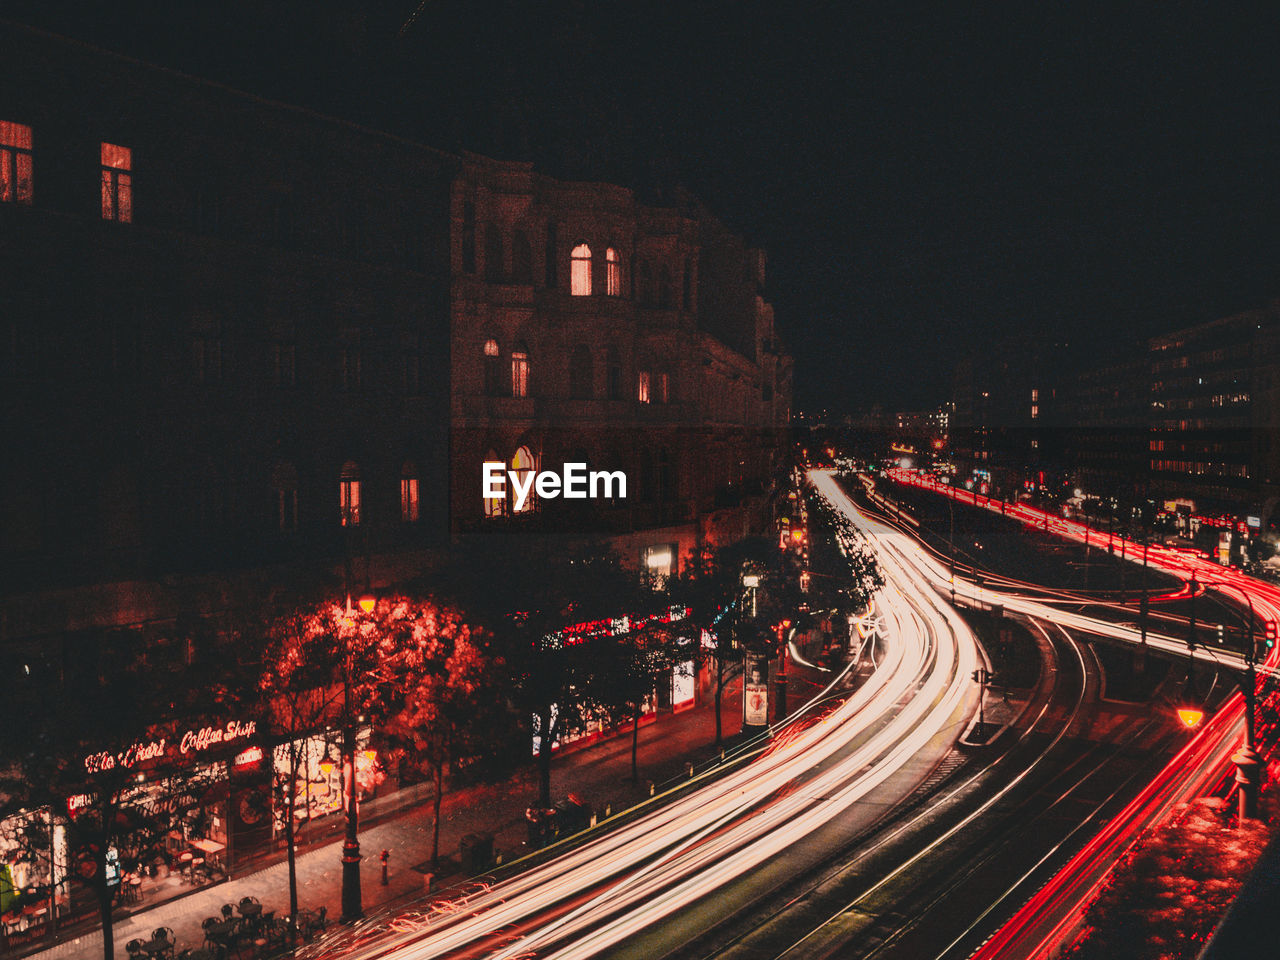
(133, 948)
(228, 911)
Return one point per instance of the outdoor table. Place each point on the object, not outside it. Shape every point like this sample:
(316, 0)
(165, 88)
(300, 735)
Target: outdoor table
(250, 911)
(155, 948)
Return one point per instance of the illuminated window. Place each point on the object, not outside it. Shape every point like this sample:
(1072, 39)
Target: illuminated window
(1035, 411)
(1035, 395)
(522, 464)
(349, 494)
(520, 370)
(15, 163)
(117, 183)
(409, 493)
(612, 273)
(642, 386)
(581, 375)
(284, 482)
(580, 271)
(493, 381)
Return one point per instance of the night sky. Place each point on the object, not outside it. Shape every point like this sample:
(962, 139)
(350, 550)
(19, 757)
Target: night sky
(925, 178)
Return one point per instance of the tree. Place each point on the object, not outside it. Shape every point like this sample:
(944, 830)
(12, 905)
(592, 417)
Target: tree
(449, 710)
(101, 765)
(544, 601)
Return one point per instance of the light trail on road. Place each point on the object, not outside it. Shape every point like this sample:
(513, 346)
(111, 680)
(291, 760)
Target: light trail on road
(1050, 921)
(636, 875)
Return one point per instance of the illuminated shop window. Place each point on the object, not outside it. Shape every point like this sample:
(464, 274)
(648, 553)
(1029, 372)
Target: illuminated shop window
(349, 494)
(642, 386)
(117, 183)
(520, 370)
(523, 464)
(612, 273)
(15, 163)
(580, 271)
(409, 493)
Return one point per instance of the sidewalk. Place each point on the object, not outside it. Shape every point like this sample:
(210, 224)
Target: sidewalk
(599, 773)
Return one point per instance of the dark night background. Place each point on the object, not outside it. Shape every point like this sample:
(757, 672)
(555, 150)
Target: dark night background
(925, 178)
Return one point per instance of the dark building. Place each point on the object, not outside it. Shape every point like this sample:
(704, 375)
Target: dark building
(1105, 414)
(223, 357)
(1215, 411)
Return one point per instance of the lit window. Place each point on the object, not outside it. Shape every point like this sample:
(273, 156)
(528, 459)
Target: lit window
(520, 370)
(1035, 395)
(522, 464)
(580, 271)
(117, 183)
(612, 273)
(409, 493)
(493, 382)
(349, 494)
(1035, 411)
(642, 386)
(15, 163)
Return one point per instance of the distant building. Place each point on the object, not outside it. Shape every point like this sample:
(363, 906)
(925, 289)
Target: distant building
(1215, 416)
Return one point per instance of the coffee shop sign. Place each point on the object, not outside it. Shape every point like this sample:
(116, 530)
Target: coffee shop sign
(191, 741)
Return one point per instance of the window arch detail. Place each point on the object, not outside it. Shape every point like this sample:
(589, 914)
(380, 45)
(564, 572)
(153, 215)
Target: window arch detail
(580, 271)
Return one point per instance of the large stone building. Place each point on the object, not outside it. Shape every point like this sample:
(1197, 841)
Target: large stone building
(590, 327)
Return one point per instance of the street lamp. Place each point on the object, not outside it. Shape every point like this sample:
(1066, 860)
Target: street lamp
(1246, 759)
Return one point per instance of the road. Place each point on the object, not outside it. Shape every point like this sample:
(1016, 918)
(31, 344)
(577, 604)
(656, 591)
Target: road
(678, 868)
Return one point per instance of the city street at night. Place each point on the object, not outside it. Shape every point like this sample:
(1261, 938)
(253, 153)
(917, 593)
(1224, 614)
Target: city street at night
(714, 480)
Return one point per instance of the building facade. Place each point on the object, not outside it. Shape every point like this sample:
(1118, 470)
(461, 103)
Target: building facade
(590, 327)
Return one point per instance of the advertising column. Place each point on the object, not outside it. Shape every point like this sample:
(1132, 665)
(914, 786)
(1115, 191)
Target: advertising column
(755, 691)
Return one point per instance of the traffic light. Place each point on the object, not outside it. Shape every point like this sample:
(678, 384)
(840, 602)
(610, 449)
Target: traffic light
(1269, 634)
(1221, 633)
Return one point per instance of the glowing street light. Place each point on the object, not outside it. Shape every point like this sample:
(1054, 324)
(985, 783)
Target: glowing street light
(1190, 717)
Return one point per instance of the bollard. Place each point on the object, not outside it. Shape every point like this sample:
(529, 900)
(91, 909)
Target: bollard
(688, 769)
(608, 810)
(651, 788)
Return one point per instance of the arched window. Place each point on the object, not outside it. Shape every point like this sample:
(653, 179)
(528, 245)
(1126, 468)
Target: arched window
(349, 494)
(522, 464)
(642, 386)
(664, 292)
(581, 375)
(580, 271)
(284, 484)
(493, 271)
(613, 375)
(493, 379)
(520, 370)
(521, 258)
(664, 387)
(409, 492)
(612, 273)
(496, 506)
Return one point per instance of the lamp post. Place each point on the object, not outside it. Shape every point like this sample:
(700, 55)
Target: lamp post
(1248, 765)
(352, 906)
